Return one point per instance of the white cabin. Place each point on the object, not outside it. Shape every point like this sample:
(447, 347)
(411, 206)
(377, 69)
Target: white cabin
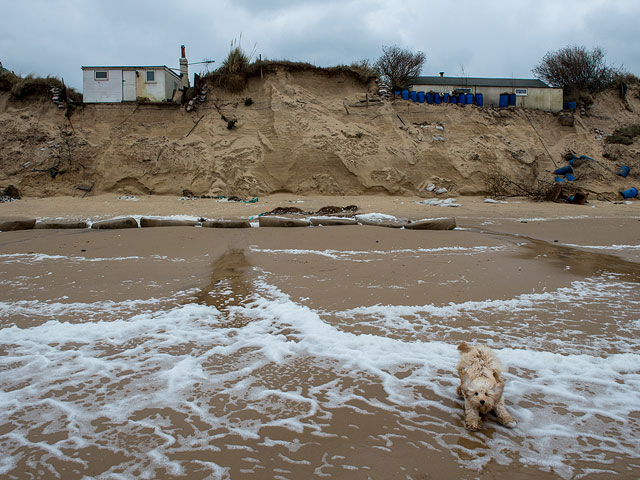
(129, 84)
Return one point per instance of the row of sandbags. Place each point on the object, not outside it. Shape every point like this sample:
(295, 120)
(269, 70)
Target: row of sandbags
(11, 224)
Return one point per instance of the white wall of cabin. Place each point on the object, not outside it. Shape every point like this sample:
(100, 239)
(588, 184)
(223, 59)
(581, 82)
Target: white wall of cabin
(96, 91)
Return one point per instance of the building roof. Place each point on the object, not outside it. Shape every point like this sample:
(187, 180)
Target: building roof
(140, 67)
(479, 82)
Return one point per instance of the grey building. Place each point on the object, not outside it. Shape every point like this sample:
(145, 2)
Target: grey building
(530, 92)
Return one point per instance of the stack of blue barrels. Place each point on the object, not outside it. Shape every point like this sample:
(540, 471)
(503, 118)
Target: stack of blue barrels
(438, 98)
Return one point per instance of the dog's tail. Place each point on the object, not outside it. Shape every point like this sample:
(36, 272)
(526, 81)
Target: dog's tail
(464, 347)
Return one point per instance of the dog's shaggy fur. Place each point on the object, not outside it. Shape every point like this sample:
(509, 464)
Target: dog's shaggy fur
(481, 386)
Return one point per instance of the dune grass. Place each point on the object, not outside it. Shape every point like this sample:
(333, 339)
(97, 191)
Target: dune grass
(21, 87)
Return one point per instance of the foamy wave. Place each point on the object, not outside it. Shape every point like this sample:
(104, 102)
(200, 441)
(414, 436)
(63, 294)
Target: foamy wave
(352, 255)
(41, 257)
(287, 368)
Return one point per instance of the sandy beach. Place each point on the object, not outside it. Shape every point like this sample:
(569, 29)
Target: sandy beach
(320, 351)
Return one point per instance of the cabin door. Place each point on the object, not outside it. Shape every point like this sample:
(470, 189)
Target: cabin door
(128, 85)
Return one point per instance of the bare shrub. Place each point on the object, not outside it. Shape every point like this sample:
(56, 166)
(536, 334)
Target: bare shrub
(397, 66)
(365, 69)
(624, 135)
(500, 185)
(576, 69)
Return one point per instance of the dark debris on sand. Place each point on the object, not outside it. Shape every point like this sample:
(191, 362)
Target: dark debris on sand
(347, 211)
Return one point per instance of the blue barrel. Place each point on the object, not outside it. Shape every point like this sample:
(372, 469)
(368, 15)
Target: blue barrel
(453, 99)
(570, 177)
(560, 180)
(564, 170)
(462, 99)
(571, 106)
(629, 192)
(623, 171)
(479, 99)
(504, 100)
(512, 100)
(397, 92)
(437, 98)
(405, 94)
(445, 98)
(413, 96)
(429, 98)
(469, 98)
(420, 97)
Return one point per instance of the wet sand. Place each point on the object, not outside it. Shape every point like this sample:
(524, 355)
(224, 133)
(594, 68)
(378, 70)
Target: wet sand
(324, 351)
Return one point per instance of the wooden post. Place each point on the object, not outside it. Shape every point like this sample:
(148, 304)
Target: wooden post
(260, 57)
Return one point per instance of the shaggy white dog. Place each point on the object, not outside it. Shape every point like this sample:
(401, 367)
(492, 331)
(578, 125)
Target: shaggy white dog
(481, 386)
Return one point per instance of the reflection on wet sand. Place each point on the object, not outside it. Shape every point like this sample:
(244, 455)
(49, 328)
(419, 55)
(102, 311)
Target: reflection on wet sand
(581, 262)
(228, 286)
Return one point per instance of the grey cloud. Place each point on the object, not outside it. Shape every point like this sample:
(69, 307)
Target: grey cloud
(491, 38)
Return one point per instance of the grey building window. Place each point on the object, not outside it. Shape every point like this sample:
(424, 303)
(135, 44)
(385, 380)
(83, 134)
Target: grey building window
(151, 76)
(101, 75)
(522, 92)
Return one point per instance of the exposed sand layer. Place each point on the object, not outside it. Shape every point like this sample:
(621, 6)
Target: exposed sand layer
(306, 133)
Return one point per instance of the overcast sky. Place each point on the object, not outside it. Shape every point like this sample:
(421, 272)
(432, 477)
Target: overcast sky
(489, 38)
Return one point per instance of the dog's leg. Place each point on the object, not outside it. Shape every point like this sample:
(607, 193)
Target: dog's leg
(503, 416)
(472, 420)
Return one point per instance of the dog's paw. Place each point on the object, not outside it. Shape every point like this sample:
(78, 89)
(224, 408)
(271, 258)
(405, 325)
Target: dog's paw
(472, 426)
(507, 420)
(459, 391)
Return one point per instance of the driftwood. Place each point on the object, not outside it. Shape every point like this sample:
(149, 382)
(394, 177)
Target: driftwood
(85, 188)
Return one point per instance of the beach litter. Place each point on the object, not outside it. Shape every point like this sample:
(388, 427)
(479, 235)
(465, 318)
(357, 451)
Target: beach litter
(623, 171)
(436, 202)
(576, 161)
(9, 194)
(433, 188)
(233, 198)
(629, 192)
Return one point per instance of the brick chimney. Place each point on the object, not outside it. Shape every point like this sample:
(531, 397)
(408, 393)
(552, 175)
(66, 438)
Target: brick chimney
(184, 68)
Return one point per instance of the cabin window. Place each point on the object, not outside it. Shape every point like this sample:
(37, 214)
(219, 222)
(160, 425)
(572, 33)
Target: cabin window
(101, 75)
(151, 76)
(522, 92)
